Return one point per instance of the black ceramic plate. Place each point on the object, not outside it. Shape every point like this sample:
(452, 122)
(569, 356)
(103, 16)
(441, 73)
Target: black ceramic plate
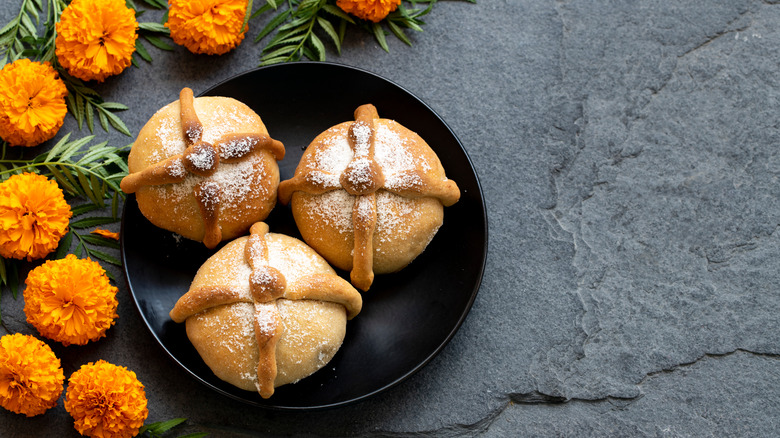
(407, 317)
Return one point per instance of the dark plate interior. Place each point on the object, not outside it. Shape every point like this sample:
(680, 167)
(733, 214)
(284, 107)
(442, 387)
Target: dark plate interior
(407, 317)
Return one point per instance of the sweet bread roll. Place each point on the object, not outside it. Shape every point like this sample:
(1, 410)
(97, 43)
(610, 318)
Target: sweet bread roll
(266, 310)
(204, 168)
(368, 195)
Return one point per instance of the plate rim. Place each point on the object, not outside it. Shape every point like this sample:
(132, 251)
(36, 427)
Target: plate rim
(407, 374)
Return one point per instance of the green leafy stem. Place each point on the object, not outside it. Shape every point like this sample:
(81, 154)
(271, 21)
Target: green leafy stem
(88, 245)
(20, 38)
(93, 173)
(160, 429)
(296, 23)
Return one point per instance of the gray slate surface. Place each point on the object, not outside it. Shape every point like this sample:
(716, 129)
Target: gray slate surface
(628, 155)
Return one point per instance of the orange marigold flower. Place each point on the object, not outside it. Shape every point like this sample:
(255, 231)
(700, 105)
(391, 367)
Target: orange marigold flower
(106, 400)
(373, 10)
(30, 375)
(96, 38)
(211, 27)
(32, 102)
(70, 300)
(33, 216)
(107, 234)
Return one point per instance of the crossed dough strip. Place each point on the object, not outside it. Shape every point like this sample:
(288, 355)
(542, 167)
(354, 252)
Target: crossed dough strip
(267, 284)
(201, 158)
(363, 177)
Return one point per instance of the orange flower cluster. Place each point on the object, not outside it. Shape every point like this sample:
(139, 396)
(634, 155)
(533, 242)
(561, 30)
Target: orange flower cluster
(30, 375)
(33, 216)
(106, 400)
(96, 38)
(70, 300)
(32, 102)
(211, 27)
(372, 10)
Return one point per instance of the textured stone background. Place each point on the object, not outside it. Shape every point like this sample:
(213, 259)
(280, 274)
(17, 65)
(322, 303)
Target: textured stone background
(628, 154)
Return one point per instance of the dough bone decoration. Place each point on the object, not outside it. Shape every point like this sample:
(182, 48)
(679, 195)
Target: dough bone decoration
(267, 285)
(202, 159)
(364, 178)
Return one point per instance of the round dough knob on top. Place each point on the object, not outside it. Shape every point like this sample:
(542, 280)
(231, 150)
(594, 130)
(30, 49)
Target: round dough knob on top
(368, 195)
(205, 168)
(266, 310)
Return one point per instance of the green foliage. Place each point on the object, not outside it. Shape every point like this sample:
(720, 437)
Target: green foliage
(20, 38)
(88, 172)
(159, 429)
(294, 26)
(156, 4)
(300, 26)
(89, 245)
(84, 102)
(155, 34)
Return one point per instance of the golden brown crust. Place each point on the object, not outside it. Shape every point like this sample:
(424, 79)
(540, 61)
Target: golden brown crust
(368, 195)
(268, 331)
(220, 332)
(326, 229)
(204, 168)
(329, 288)
(198, 300)
(364, 222)
(296, 303)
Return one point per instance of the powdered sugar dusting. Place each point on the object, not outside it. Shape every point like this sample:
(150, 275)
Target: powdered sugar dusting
(237, 147)
(359, 173)
(306, 328)
(333, 208)
(209, 194)
(202, 158)
(251, 377)
(169, 134)
(395, 216)
(261, 276)
(222, 272)
(234, 330)
(193, 133)
(361, 133)
(365, 208)
(225, 120)
(295, 261)
(265, 318)
(176, 168)
(236, 276)
(391, 152)
(404, 180)
(235, 180)
(322, 179)
(344, 154)
(256, 251)
(334, 154)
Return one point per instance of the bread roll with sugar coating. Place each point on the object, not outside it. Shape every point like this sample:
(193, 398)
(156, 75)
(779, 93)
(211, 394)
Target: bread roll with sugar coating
(369, 195)
(205, 168)
(266, 310)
